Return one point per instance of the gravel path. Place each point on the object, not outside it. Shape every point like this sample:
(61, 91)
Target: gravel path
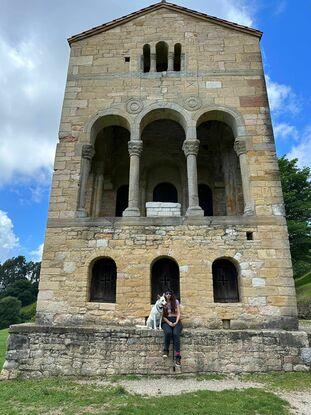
(299, 401)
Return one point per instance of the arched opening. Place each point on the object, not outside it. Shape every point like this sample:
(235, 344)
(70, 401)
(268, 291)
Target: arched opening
(122, 199)
(165, 192)
(225, 281)
(164, 276)
(162, 57)
(206, 199)
(103, 281)
(218, 165)
(177, 57)
(146, 58)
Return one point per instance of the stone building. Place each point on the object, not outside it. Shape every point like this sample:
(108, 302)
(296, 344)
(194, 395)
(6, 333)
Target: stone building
(166, 176)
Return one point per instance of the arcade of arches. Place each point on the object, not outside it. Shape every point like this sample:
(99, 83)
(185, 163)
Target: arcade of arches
(120, 175)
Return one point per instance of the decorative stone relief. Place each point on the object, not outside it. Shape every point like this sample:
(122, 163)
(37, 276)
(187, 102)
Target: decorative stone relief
(240, 147)
(134, 106)
(192, 103)
(135, 148)
(88, 152)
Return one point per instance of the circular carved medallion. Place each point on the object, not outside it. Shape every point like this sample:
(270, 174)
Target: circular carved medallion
(134, 106)
(192, 103)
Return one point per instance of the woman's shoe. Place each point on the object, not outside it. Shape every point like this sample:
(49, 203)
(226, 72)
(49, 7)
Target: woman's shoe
(165, 354)
(178, 360)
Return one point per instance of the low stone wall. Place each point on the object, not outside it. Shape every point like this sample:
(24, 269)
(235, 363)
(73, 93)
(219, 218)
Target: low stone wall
(40, 351)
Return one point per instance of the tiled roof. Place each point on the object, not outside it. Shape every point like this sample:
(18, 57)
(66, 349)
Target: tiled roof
(170, 6)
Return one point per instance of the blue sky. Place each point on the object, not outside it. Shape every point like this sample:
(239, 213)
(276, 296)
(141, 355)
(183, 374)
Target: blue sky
(33, 64)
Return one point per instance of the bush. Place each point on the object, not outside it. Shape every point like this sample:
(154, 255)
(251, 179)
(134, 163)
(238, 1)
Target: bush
(10, 309)
(23, 290)
(28, 313)
(304, 309)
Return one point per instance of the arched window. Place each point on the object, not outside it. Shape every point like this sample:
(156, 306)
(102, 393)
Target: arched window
(162, 56)
(225, 282)
(164, 276)
(177, 57)
(122, 199)
(165, 192)
(147, 58)
(103, 282)
(206, 199)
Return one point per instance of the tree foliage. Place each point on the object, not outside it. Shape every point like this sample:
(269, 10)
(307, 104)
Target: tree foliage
(10, 311)
(24, 290)
(297, 198)
(17, 268)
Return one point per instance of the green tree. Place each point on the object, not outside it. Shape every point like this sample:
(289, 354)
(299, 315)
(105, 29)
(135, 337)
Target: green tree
(297, 198)
(23, 290)
(10, 312)
(16, 269)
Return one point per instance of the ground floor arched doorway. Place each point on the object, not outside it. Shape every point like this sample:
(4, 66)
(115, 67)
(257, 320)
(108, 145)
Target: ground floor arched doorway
(164, 276)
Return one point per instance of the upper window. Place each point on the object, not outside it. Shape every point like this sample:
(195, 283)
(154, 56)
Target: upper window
(162, 57)
(147, 59)
(177, 57)
(165, 192)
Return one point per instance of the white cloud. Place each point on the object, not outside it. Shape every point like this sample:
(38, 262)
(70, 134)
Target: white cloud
(8, 240)
(36, 255)
(282, 98)
(285, 131)
(302, 151)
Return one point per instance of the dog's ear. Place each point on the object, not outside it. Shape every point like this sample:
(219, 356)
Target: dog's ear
(158, 296)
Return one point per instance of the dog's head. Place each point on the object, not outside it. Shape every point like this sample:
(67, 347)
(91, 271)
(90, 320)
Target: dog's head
(161, 302)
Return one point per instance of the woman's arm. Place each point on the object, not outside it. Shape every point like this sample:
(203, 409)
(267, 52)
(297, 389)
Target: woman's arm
(178, 314)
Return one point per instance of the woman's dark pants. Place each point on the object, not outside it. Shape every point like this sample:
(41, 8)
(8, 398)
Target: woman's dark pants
(172, 333)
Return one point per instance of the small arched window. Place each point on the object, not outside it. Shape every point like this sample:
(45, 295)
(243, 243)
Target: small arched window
(165, 192)
(177, 57)
(104, 281)
(146, 58)
(225, 281)
(162, 56)
(206, 199)
(122, 199)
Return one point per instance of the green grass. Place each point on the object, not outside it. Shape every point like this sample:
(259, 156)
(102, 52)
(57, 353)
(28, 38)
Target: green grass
(59, 396)
(289, 381)
(3, 338)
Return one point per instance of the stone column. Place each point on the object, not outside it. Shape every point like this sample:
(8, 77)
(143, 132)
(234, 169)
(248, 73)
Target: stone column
(99, 187)
(87, 156)
(170, 61)
(240, 149)
(191, 149)
(135, 149)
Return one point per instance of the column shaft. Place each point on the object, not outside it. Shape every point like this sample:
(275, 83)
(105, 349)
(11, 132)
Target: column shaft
(240, 148)
(191, 148)
(135, 149)
(87, 155)
(171, 61)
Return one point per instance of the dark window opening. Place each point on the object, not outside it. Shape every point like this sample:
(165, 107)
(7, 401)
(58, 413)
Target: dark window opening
(165, 192)
(164, 276)
(206, 199)
(249, 236)
(146, 58)
(225, 282)
(162, 56)
(122, 200)
(103, 283)
(177, 57)
(127, 59)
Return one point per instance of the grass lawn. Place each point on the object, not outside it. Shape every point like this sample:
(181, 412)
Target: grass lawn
(59, 396)
(3, 337)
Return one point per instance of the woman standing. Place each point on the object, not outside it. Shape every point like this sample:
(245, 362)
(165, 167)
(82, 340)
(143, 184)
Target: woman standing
(172, 325)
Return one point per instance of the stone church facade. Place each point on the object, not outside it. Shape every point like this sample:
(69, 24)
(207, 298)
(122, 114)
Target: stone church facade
(167, 97)
(166, 176)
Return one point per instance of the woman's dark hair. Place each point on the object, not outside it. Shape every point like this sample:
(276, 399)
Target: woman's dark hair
(172, 302)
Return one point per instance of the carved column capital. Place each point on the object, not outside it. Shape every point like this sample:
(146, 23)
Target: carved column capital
(135, 148)
(191, 147)
(88, 152)
(240, 147)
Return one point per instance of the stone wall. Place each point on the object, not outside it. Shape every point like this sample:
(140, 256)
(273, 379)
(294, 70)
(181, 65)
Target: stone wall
(35, 351)
(266, 285)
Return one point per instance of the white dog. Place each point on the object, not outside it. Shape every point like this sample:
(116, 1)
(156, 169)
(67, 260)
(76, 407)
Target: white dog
(155, 318)
(156, 314)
